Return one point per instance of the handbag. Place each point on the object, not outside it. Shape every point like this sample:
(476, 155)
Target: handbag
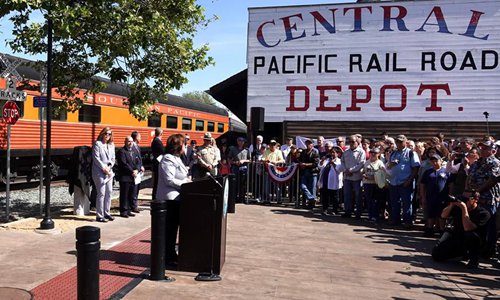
(380, 178)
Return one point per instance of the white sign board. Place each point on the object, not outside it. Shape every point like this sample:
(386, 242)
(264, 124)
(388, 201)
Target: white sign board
(11, 93)
(388, 61)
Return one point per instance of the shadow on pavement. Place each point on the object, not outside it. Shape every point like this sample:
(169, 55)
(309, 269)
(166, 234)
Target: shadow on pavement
(415, 251)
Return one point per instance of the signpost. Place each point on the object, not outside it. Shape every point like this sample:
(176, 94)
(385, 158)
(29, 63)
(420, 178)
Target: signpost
(41, 102)
(10, 114)
(10, 111)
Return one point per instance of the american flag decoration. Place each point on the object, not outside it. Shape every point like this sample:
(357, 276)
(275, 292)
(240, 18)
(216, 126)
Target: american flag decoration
(281, 174)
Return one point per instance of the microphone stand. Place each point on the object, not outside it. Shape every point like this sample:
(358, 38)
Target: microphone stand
(486, 115)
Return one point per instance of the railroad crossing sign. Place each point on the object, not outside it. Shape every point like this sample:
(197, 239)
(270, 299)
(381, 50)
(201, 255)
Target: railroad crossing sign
(11, 93)
(10, 113)
(10, 67)
(11, 78)
(43, 82)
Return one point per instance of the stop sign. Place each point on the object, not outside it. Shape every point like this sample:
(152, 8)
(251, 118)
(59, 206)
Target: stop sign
(10, 112)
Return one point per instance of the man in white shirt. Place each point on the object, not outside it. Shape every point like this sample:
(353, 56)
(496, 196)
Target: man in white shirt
(353, 160)
(285, 148)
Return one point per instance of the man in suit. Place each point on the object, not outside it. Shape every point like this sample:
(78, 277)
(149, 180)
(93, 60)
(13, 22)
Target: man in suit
(136, 136)
(128, 167)
(158, 150)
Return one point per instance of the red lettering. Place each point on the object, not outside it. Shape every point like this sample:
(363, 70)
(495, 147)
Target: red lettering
(354, 96)
(434, 90)
(323, 98)
(404, 96)
(292, 90)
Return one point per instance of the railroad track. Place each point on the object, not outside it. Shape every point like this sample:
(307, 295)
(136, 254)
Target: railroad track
(20, 183)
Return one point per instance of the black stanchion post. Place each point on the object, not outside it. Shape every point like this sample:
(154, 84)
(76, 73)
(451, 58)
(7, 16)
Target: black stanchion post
(231, 180)
(158, 240)
(87, 265)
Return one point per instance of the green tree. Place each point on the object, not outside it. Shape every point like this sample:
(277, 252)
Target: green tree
(199, 96)
(145, 44)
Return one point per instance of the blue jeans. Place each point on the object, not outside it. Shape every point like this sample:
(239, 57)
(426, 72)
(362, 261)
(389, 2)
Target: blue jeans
(308, 185)
(372, 196)
(399, 194)
(491, 231)
(349, 186)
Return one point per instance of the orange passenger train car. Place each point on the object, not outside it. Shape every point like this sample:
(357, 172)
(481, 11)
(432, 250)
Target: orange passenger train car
(81, 128)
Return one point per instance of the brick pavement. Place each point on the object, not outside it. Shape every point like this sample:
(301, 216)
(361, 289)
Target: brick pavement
(272, 253)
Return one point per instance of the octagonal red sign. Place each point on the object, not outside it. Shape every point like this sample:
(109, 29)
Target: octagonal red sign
(10, 112)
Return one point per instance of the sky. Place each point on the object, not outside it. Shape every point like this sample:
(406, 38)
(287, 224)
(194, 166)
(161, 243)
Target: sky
(226, 37)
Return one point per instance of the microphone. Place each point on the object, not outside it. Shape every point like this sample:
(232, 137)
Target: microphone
(213, 178)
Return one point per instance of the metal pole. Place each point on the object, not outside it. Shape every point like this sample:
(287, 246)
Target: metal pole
(487, 126)
(158, 236)
(47, 222)
(7, 187)
(40, 187)
(87, 262)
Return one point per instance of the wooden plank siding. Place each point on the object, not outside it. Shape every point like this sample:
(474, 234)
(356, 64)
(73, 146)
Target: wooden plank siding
(413, 130)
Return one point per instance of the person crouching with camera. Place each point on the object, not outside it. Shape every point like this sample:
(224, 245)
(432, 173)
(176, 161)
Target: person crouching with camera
(465, 232)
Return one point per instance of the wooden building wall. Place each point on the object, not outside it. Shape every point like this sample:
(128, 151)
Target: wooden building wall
(413, 130)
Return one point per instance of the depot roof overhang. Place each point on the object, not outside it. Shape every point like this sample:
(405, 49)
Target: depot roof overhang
(232, 92)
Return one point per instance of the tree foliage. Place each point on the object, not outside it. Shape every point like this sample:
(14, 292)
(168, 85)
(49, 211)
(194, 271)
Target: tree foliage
(147, 44)
(199, 96)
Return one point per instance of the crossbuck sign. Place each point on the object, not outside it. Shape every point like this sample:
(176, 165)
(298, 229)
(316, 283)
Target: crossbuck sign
(11, 77)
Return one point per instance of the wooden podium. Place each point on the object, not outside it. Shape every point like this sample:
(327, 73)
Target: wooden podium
(202, 227)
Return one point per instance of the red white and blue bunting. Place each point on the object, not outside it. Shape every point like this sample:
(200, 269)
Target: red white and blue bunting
(281, 174)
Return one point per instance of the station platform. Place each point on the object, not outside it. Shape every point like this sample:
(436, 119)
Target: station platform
(273, 252)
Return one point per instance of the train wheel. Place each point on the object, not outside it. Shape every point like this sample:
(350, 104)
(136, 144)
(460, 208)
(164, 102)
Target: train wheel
(54, 170)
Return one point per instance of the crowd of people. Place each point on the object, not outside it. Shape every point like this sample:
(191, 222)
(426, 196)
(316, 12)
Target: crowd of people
(455, 183)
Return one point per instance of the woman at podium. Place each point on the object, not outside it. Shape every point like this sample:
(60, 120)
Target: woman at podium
(172, 174)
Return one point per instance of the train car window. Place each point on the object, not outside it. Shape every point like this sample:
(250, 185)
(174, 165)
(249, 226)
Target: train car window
(90, 114)
(154, 121)
(187, 124)
(200, 125)
(57, 114)
(172, 122)
(220, 127)
(60, 115)
(210, 126)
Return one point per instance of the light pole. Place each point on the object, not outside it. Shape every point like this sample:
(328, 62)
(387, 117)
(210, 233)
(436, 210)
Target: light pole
(486, 115)
(47, 222)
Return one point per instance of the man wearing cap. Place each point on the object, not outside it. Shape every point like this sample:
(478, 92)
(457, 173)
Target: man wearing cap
(285, 148)
(308, 164)
(274, 156)
(483, 178)
(207, 157)
(403, 165)
(352, 161)
(467, 233)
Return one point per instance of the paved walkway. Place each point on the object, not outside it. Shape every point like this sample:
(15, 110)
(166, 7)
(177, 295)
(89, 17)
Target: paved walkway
(272, 253)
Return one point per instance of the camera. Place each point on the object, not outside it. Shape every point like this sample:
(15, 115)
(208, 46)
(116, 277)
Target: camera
(458, 155)
(451, 198)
